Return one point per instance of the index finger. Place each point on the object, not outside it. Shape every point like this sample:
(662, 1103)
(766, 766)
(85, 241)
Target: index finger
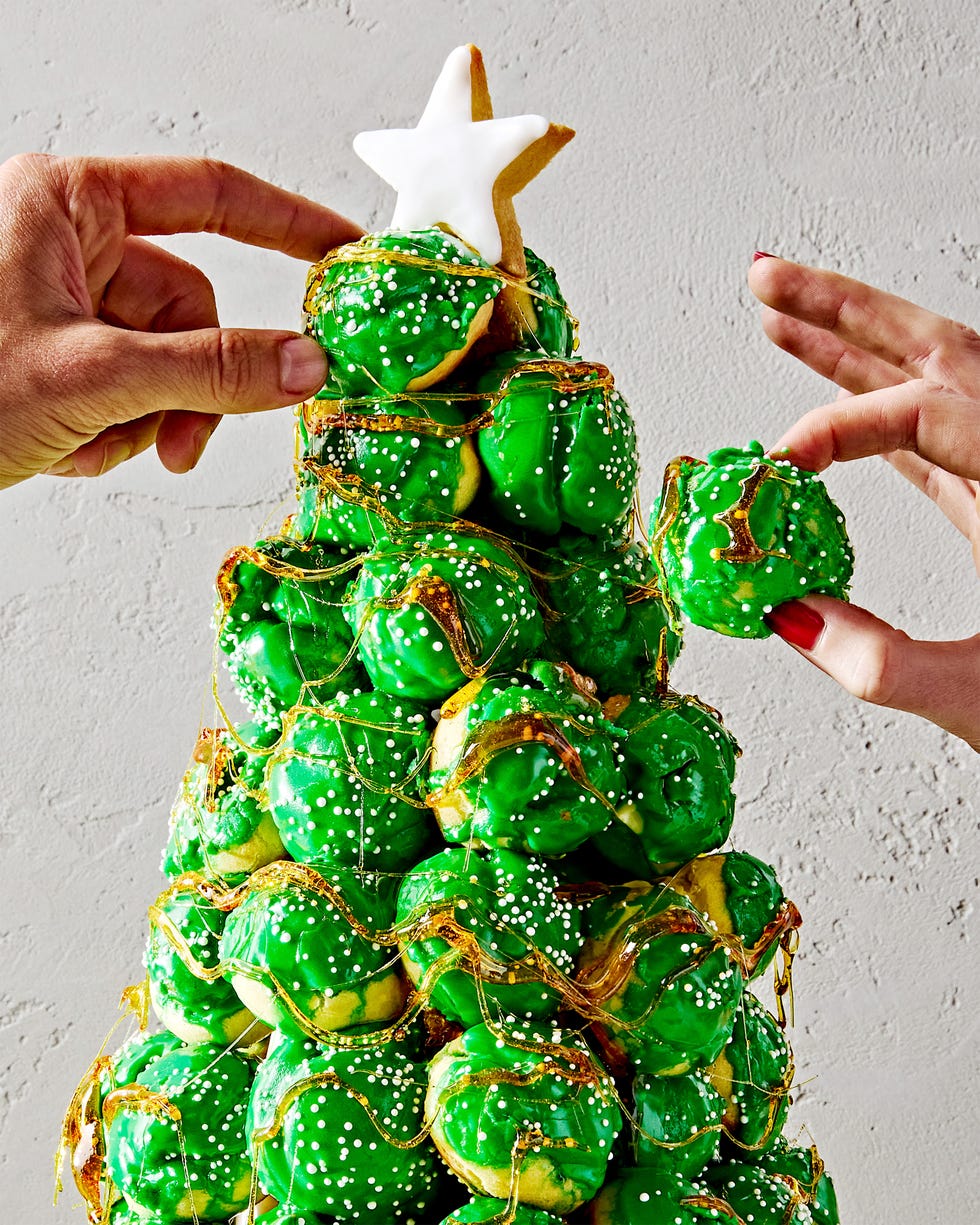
(889, 327)
(185, 195)
(918, 416)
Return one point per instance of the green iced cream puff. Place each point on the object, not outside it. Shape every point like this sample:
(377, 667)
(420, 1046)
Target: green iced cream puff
(219, 824)
(739, 533)
(175, 1139)
(83, 1129)
(754, 1074)
(677, 1123)
(656, 1197)
(281, 625)
(678, 765)
(189, 995)
(525, 1106)
(397, 311)
(548, 327)
(487, 934)
(301, 948)
(367, 468)
(435, 609)
(759, 1198)
(344, 782)
(741, 897)
(339, 1130)
(805, 1167)
(604, 613)
(560, 450)
(484, 1211)
(282, 1214)
(524, 761)
(663, 987)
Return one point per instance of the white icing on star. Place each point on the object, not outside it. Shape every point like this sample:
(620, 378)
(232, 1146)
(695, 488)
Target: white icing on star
(444, 169)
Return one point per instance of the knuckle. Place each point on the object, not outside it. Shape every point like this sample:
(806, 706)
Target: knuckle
(229, 362)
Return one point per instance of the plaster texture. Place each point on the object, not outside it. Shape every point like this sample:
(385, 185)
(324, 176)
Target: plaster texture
(839, 133)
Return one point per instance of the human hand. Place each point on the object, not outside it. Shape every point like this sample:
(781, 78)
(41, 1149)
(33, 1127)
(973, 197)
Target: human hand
(108, 343)
(910, 392)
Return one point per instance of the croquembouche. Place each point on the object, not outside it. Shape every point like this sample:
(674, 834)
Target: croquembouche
(449, 934)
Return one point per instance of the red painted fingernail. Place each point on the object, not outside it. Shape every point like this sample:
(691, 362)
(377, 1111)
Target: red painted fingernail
(763, 255)
(797, 624)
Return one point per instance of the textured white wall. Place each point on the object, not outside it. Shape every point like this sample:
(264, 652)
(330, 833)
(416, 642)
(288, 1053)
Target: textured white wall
(844, 134)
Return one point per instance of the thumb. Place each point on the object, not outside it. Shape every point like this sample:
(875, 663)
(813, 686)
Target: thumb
(206, 370)
(876, 662)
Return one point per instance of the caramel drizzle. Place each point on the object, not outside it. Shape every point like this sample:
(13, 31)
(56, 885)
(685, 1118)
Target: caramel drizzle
(319, 1080)
(743, 547)
(789, 944)
(139, 1098)
(606, 977)
(83, 1140)
(719, 1205)
(521, 728)
(334, 412)
(228, 589)
(354, 253)
(400, 790)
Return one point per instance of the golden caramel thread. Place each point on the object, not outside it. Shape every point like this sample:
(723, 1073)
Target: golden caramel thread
(318, 1080)
(789, 943)
(521, 728)
(400, 790)
(355, 253)
(743, 548)
(710, 1201)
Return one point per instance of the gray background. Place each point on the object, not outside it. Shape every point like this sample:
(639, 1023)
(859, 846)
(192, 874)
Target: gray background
(844, 134)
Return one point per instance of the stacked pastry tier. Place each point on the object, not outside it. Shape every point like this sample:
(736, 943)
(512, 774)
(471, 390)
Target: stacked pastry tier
(448, 934)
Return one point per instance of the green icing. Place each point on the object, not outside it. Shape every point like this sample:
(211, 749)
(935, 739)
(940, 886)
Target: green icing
(550, 326)
(284, 1215)
(656, 1197)
(197, 1163)
(291, 934)
(437, 608)
(343, 782)
(678, 1121)
(484, 1211)
(526, 1095)
(753, 895)
(524, 761)
(790, 540)
(220, 807)
(407, 460)
(679, 763)
(561, 450)
(604, 613)
(510, 921)
(758, 1197)
(393, 308)
(754, 1075)
(281, 625)
(194, 1008)
(806, 1167)
(135, 1056)
(339, 1130)
(668, 988)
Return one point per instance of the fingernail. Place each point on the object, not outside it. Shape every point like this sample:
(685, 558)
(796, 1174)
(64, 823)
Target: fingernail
(116, 453)
(797, 624)
(302, 366)
(763, 255)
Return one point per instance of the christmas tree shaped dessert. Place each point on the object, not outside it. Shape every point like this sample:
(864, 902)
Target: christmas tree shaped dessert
(449, 935)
